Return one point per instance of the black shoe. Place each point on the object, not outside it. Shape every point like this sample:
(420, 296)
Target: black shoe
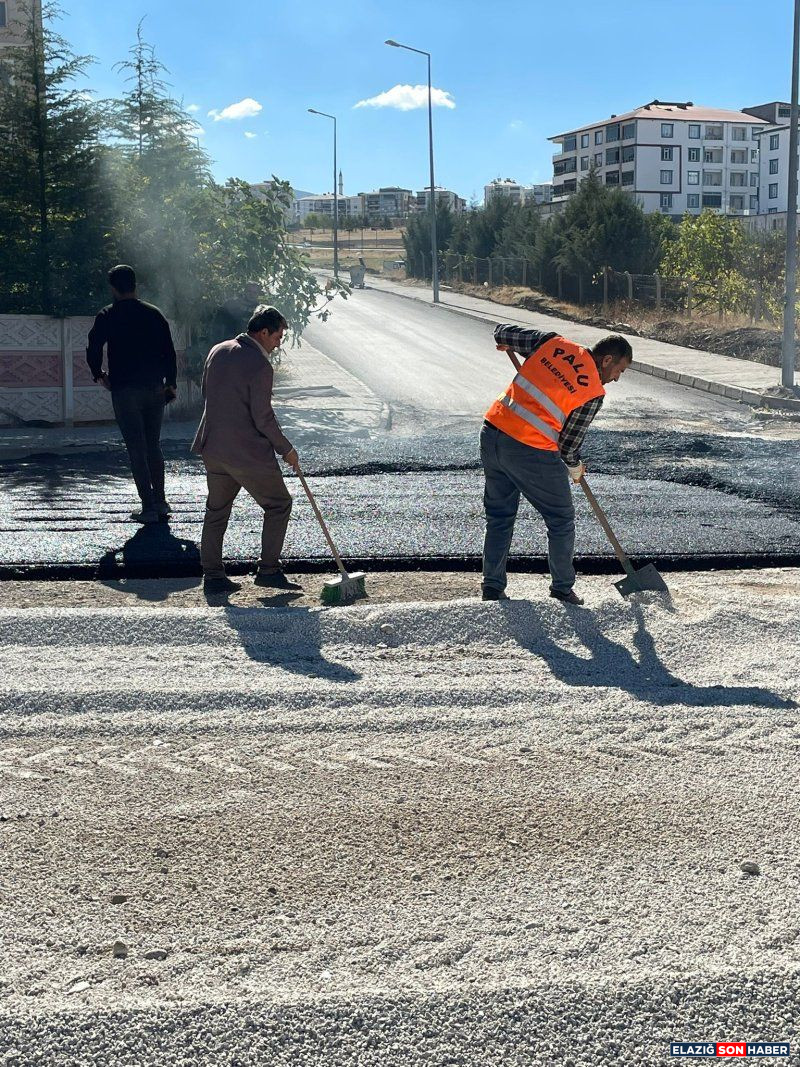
(219, 585)
(490, 593)
(568, 598)
(146, 516)
(276, 580)
(164, 510)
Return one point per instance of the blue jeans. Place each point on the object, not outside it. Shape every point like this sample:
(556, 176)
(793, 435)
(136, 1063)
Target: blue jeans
(511, 469)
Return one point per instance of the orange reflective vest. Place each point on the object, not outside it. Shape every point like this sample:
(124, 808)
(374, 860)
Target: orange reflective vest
(553, 381)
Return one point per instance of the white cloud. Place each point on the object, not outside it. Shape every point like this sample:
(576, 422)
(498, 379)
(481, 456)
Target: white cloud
(408, 98)
(197, 131)
(244, 109)
(250, 136)
(192, 108)
(516, 125)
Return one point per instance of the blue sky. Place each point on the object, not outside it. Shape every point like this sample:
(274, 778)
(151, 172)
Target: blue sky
(516, 71)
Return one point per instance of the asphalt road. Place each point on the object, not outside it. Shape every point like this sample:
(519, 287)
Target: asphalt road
(680, 472)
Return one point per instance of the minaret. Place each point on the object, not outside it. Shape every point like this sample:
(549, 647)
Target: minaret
(341, 184)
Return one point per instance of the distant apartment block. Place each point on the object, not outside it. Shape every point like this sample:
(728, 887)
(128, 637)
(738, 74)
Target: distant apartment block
(390, 201)
(672, 157)
(518, 194)
(12, 14)
(452, 200)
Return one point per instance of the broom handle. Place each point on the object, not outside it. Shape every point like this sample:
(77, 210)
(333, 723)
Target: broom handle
(322, 523)
(598, 511)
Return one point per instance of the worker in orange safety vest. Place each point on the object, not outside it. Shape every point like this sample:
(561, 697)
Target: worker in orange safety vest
(531, 440)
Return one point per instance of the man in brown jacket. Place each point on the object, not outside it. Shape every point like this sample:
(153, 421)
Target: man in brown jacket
(238, 438)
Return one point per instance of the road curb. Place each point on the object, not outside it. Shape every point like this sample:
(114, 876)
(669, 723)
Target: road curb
(751, 397)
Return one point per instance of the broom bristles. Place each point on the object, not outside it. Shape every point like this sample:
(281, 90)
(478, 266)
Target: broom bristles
(341, 590)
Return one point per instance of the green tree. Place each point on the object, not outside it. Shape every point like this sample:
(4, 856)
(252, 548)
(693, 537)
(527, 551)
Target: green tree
(53, 203)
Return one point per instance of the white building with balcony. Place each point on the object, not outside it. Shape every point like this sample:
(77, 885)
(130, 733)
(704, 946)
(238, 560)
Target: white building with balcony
(541, 193)
(673, 157)
(452, 200)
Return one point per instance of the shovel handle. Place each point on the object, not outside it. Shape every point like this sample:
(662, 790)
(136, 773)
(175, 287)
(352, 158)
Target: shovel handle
(601, 518)
(323, 524)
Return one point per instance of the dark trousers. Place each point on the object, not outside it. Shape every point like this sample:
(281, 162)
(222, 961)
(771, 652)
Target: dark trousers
(513, 469)
(267, 487)
(140, 412)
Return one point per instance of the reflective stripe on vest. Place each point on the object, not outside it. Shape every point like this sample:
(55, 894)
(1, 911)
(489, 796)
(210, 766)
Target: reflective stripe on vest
(542, 398)
(529, 416)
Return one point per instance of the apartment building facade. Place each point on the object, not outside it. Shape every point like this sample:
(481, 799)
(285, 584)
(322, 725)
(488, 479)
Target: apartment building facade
(672, 157)
(541, 193)
(452, 200)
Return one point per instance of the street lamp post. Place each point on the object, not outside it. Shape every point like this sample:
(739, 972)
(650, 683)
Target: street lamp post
(434, 244)
(790, 304)
(325, 115)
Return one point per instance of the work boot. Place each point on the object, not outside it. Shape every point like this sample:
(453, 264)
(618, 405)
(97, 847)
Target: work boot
(490, 592)
(275, 580)
(219, 585)
(146, 516)
(570, 597)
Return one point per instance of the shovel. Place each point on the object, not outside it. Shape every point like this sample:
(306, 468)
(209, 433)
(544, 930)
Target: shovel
(645, 579)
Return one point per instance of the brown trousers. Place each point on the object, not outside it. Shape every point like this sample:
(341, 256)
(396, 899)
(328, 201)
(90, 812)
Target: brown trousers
(267, 487)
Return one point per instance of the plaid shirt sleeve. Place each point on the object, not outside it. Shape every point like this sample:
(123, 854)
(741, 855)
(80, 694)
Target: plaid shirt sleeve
(574, 430)
(521, 339)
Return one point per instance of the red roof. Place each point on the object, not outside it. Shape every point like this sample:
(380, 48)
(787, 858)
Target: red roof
(667, 112)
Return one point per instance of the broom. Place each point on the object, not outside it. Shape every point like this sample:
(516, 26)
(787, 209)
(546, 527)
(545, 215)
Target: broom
(345, 587)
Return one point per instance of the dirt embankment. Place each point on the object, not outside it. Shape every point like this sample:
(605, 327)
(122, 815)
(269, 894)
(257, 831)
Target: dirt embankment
(757, 344)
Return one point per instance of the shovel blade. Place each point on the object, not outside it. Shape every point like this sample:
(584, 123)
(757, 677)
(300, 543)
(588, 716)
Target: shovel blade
(645, 580)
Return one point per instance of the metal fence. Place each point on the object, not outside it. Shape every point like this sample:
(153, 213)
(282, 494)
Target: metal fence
(609, 288)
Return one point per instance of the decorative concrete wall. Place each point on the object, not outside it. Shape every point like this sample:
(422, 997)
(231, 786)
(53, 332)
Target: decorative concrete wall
(43, 372)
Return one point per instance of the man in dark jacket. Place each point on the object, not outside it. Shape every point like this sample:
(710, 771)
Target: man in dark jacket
(238, 438)
(142, 377)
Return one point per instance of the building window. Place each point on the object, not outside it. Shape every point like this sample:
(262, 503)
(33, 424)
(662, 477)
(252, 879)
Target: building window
(666, 129)
(772, 211)
(714, 133)
(612, 132)
(712, 177)
(570, 144)
(693, 177)
(612, 155)
(584, 162)
(628, 154)
(3, 19)
(737, 203)
(773, 166)
(666, 155)
(694, 155)
(712, 155)
(773, 191)
(739, 133)
(598, 136)
(754, 177)
(598, 159)
(738, 179)
(627, 177)
(694, 130)
(754, 203)
(738, 156)
(584, 140)
(774, 142)
(666, 177)
(754, 155)
(628, 130)
(666, 201)
(784, 112)
(612, 177)
(693, 200)
(712, 199)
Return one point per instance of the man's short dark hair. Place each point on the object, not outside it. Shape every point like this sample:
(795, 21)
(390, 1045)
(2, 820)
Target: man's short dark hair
(613, 345)
(266, 318)
(122, 278)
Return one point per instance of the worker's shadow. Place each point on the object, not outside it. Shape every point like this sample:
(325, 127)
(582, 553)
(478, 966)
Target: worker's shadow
(611, 665)
(289, 638)
(147, 554)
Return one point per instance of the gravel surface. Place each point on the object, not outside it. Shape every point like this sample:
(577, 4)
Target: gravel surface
(399, 833)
